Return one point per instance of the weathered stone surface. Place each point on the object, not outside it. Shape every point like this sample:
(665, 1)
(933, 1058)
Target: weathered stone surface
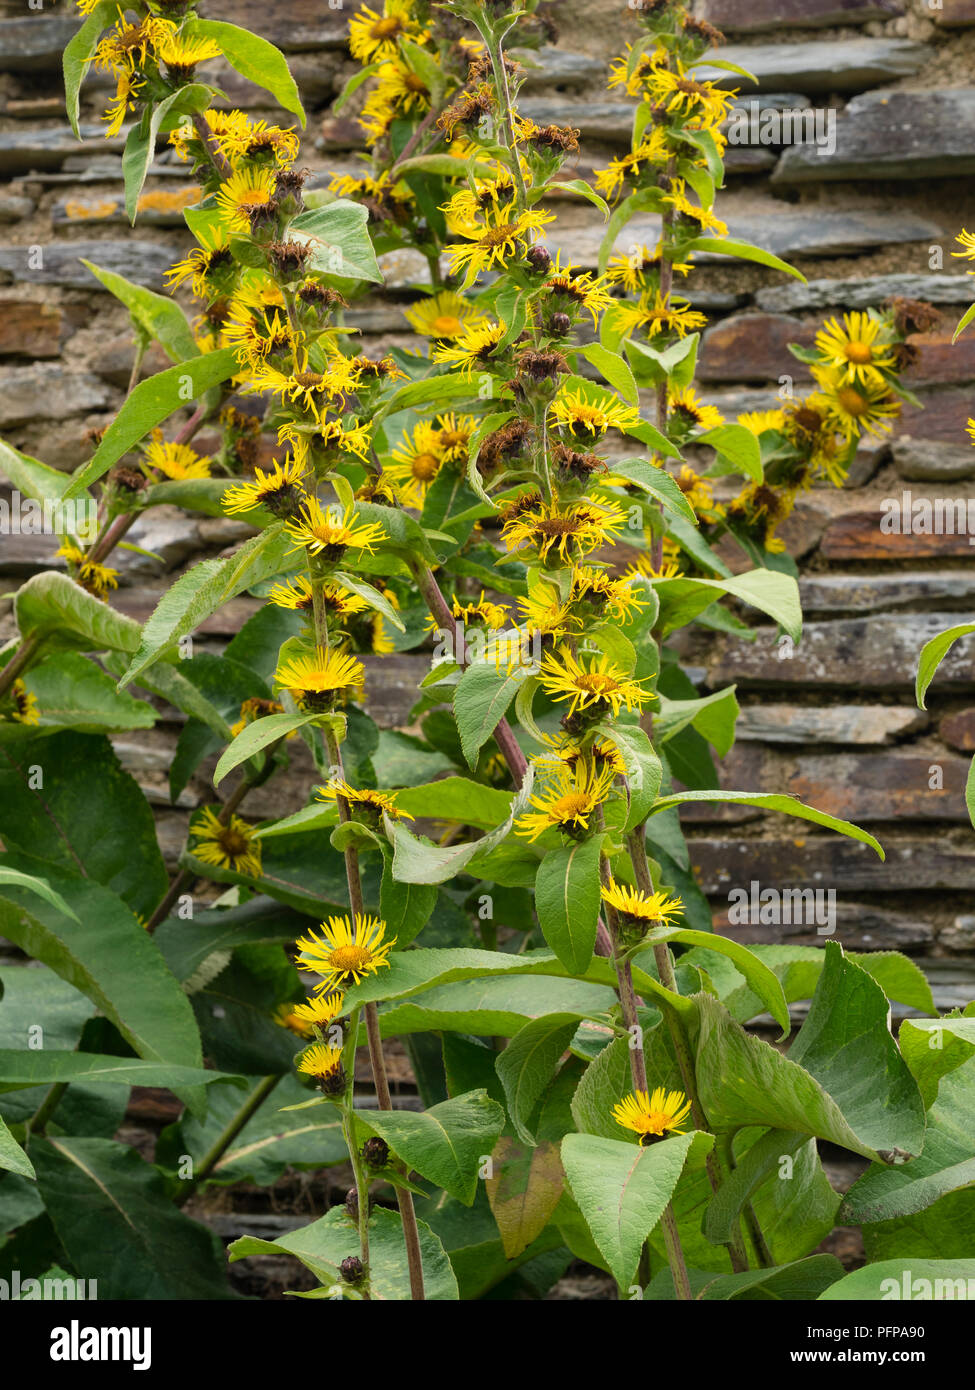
(48, 392)
(864, 292)
(960, 13)
(611, 121)
(748, 16)
(832, 861)
(852, 594)
(879, 653)
(869, 725)
(22, 151)
(860, 535)
(141, 261)
(557, 67)
(941, 362)
(754, 347)
(873, 787)
(960, 936)
(846, 65)
(791, 235)
(928, 460)
(28, 329)
(25, 555)
(958, 730)
(859, 927)
(892, 135)
(35, 43)
(156, 208)
(14, 208)
(302, 24)
(114, 362)
(941, 415)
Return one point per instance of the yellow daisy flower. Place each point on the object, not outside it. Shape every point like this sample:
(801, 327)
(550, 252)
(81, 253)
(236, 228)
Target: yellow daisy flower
(330, 534)
(324, 1063)
(855, 350)
(569, 532)
(496, 247)
(472, 349)
(183, 54)
(590, 683)
(373, 37)
(211, 256)
(640, 906)
(320, 1012)
(761, 422)
(655, 313)
(346, 952)
(568, 802)
(415, 463)
(256, 708)
(682, 95)
(317, 683)
(587, 416)
(330, 437)
(597, 590)
(176, 461)
(24, 704)
(652, 1117)
(864, 406)
(247, 191)
(691, 411)
(281, 491)
(363, 799)
(229, 845)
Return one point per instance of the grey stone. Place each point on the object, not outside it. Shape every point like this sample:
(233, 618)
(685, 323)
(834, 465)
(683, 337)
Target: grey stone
(141, 261)
(859, 927)
(47, 392)
(72, 211)
(960, 936)
(749, 16)
(165, 532)
(35, 42)
(932, 460)
(13, 208)
(797, 856)
(865, 292)
(821, 65)
(557, 67)
(595, 120)
(879, 653)
(892, 135)
(870, 725)
(22, 151)
(832, 595)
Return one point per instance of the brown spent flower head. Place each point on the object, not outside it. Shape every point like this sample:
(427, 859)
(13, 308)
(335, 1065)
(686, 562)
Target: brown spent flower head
(504, 446)
(912, 315)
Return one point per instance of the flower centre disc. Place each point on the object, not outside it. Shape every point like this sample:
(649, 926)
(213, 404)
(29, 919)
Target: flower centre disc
(350, 957)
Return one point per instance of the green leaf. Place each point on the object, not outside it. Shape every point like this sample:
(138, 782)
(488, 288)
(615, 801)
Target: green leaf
(12, 1157)
(760, 1162)
(713, 716)
(338, 236)
(52, 608)
(46, 485)
(622, 1190)
(481, 701)
(567, 901)
(372, 596)
(932, 655)
(108, 956)
(447, 1143)
(149, 404)
(78, 52)
(818, 1088)
(254, 58)
(322, 1246)
(159, 317)
(19, 1070)
(524, 1191)
(738, 446)
(798, 1281)
(934, 1047)
(457, 799)
(776, 594)
(115, 1220)
(584, 190)
(140, 145)
(192, 494)
(495, 1007)
(963, 322)
(771, 801)
(742, 251)
(644, 771)
(526, 1066)
(406, 908)
(418, 861)
(908, 1279)
(614, 368)
(761, 979)
(946, 1163)
(67, 800)
(202, 590)
(73, 693)
(254, 738)
(658, 483)
(12, 878)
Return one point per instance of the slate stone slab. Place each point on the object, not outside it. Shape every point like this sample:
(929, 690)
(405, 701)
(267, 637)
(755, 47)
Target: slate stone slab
(29, 329)
(892, 135)
(820, 65)
(750, 16)
(754, 347)
(831, 861)
(48, 392)
(875, 653)
(834, 595)
(22, 151)
(865, 292)
(871, 788)
(301, 24)
(868, 725)
(141, 261)
(958, 730)
(859, 926)
(931, 460)
(35, 42)
(955, 13)
(860, 535)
